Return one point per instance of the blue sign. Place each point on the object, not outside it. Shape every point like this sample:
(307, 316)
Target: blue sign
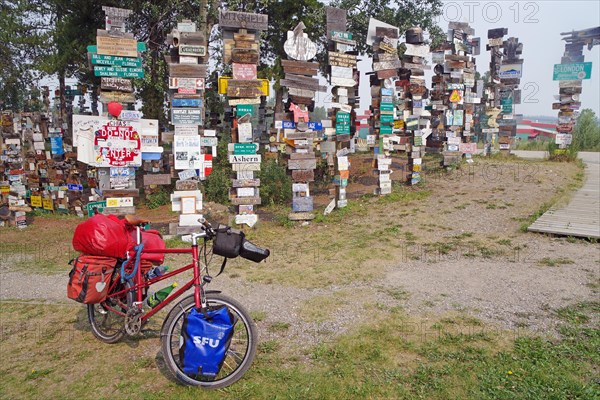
(186, 102)
(73, 186)
(315, 126)
(56, 145)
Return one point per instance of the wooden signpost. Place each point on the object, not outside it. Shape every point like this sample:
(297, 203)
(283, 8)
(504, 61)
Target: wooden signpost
(244, 91)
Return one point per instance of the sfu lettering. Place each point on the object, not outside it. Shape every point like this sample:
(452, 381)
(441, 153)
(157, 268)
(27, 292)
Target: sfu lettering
(202, 341)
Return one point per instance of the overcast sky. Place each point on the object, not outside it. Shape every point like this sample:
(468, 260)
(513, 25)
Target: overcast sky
(538, 25)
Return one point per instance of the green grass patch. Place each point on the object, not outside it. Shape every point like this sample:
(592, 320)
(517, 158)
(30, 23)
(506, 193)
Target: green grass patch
(554, 262)
(390, 356)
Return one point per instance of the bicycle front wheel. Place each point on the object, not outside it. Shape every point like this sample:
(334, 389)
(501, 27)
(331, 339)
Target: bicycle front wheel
(239, 355)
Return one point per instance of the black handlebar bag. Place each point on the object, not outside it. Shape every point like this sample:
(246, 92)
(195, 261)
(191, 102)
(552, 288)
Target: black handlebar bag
(228, 242)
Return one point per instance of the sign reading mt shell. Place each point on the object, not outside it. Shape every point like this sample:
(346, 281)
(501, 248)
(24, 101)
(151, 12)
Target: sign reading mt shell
(234, 19)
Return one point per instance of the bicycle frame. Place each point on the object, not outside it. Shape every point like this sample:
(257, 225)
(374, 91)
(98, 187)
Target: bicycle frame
(141, 283)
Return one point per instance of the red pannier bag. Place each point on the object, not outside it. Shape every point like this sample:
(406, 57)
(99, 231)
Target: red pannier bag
(152, 240)
(90, 278)
(103, 235)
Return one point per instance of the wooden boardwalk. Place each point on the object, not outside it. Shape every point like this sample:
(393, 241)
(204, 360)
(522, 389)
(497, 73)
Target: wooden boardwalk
(581, 217)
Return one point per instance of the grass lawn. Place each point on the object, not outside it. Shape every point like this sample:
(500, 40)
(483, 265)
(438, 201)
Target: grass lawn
(49, 352)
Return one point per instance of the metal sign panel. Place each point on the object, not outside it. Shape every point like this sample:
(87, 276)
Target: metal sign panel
(119, 72)
(510, 71)
(192, 50)
(99, 59)
(186, 116)
(572, 72)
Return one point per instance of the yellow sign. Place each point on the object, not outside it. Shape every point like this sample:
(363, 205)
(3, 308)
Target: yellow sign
(4, 189)
(455, 96)
(399, 124)
(223, 83)
(112, 202)
(48, 204)
(36, 201)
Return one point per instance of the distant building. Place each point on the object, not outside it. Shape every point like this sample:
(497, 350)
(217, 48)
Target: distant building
(530, 130)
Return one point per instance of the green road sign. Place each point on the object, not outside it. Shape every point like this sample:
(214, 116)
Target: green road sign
(243, 109)
(342, 117)
(341, 35)
(572, 72)
(507, 105)
(386, 118)
(98, 59)
(342, 129)
(98, 204)
(386, 107)
(72, 92)
(240, 149)
(119, 72)
(141, 46)
(385, 129)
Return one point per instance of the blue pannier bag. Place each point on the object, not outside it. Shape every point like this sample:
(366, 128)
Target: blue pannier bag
(206, 339)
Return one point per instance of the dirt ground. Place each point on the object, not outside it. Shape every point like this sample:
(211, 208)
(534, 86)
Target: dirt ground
(453, 245)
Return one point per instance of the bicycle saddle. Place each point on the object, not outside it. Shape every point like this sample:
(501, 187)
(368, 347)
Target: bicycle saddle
(135, 221)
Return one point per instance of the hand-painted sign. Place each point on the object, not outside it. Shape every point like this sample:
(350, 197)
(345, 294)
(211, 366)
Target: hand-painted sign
(234, 19)
(120, 84)
(116, 46)
(572, 72)
(244, 71)
(116, 146)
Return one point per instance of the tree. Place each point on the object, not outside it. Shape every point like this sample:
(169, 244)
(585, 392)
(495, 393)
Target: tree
(21, 42)
(403, 14)
(586, 135)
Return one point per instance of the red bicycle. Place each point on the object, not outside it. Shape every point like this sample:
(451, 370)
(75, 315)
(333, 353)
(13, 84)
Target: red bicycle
(123, 310)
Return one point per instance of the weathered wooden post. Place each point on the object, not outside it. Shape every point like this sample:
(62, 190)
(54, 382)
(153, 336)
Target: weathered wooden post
(343, 76)
(385, 66)
(490, 125)
(453, 99)
(241, 35)
(113, 144)
(570, 73)
(411, 92)
(193, 146)
(300, 135)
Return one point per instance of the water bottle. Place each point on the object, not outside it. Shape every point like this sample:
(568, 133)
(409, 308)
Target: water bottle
(156, 272)
(155, 299)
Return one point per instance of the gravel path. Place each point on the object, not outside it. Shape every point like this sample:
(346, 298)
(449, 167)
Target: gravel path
(512, 290)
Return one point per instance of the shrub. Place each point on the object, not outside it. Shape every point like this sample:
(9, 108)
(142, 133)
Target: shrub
(275, 184)
(158, 198)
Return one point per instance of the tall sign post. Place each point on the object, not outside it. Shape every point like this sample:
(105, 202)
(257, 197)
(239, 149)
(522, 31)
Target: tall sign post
(241, 35)
(384, 39)
(299, 132)
(343, 76)
(453, 96)
(570, 74)
(412, 94)
(193, 146)
(111, 144)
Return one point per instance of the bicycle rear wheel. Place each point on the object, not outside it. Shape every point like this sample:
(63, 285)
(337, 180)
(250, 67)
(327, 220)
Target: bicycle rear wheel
(239, 356)
(107, 325)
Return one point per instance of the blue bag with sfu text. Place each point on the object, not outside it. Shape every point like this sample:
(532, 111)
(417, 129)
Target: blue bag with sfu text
(206, 339)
